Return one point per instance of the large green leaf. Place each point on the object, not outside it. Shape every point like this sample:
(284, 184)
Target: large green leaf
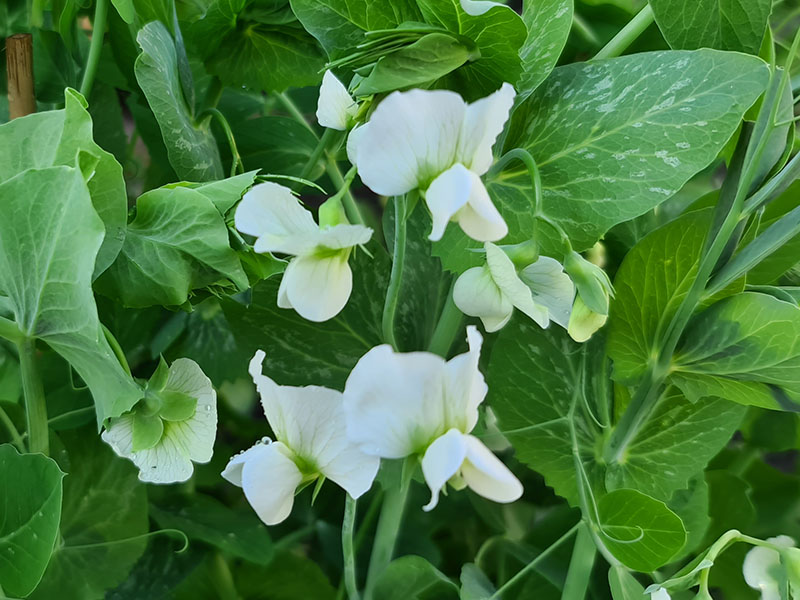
(498, 34)
(57, 137)
(191, 148)
(614, 138)
(723, 24)
(745, 348)
(49, 237)
(549, 23)
(177, 243)
(624, 585)
(237, 38)
(640, 531)
(776, 264)
(30, 509)
(339, 25)
(103, 518)
(414, 578)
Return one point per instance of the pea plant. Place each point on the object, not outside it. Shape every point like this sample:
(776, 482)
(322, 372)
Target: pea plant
(396, 300)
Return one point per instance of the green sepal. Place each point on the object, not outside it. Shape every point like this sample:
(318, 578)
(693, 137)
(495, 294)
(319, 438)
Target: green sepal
(147, 431)
(331, 213)
(594, 286)
(317, 489)
(158, 381)
(523, 254)
(176, 406)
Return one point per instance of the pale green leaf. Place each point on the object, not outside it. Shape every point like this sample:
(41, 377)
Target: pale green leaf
(414, 578)
(549, 23)
(125, 9)
(624, 585)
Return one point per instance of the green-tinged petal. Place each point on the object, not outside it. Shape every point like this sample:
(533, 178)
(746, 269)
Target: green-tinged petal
(504, 274)
(583, 321)
(551, 288)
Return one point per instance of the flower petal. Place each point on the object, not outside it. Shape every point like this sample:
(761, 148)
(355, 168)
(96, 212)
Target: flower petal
(272, 213)
(446, 195)
(318, 288)
(504, 274)
(394, 403)
(335, 107)
(352, 469)
(410, 139)
(583, 322)
(486, 474)
(483, 122)
(442, 460)
(477, 295)
(343, 236)
(465, 387)
(551, 287)
(480, 219)
(660, 594)
(269, 479)
(476, 8)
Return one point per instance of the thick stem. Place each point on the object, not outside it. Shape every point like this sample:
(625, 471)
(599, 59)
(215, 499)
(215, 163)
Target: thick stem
(628, 34)
(35, 407)
(447, 328)
(348, 523)
(98, 33)
(19, 69)
(531, 565)
(580, 565)
(396, 277)
(394, 503)
(327, 136)
(222, 579)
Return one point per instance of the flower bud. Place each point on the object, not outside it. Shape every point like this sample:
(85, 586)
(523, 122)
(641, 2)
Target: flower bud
(594, 286)
(583, 321)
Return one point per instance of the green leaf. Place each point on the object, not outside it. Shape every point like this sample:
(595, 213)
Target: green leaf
(730, 504)
(624, 585)
(103, 518)
(339, 25)
(204, 518)
(431, 57)
(615, 138)
(147, 431)
(192, 149)
(414, 578)
(299, 351)
(677, 442)
(474, 584)
(498, 34)
(745, 348)
(177, 243)
(223, 194)
(237, 38)
(31, 509)
(57, 137)
(773, 266)
(650, 285)
(549, 23)
(723, 24)
(290, 577)
(692, 506)
(125, 9)
(49, 237)
(640, 531)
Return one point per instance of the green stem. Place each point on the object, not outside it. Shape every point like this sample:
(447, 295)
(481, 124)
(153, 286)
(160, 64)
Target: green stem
(348, 523)
(294, 111)
(628, 34)
(348, 201)
(327, 136)
(236, 162)
(16, 438)
(98, 33)
(394, 503)
(447, 328)
(222, 579)
(583, 29)
(213, 93)
(117, 349)
(580, 565)
(531, 565)
(35, 407)
(396, 277)
(9, 330)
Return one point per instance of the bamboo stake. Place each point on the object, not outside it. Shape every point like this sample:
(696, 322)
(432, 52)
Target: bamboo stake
(19, 68)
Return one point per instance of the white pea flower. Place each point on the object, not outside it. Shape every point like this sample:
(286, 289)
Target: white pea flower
(435, 142)
(660, 594)
(172, 427)
(762, 568)
(416, 403)
(311, 441)
(541, 290)
(318, 280)
(335, 107)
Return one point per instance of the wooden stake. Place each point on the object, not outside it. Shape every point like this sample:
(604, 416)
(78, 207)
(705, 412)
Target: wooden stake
(19, 67)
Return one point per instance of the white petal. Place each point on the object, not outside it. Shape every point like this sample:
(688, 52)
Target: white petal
(442, 460)
(583, 322)
(485, 474)
(660, 594)
(410, 139)
(477, 295)
(476, 8)
(465, 387)
(479, 219)
(393, 402)
(269, 479)
(196, 435)
(761, 566)
(274, 215)
(551, 288)
(283, 294)
(335, 107)
(353, 142)
(483, 122)
(352, 469)
(343, 236)
(318, 288)
(446, 195)
(504, 274)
